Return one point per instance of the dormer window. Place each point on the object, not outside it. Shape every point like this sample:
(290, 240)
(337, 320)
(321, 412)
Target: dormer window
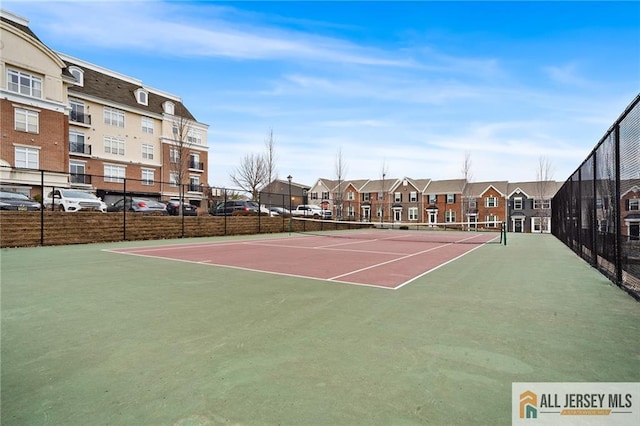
(142, 96)
(78, 74)
(169, 108)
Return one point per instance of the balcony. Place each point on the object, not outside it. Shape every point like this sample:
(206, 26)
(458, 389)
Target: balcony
(196, 165)
(80, 117)
(195, 187)
(80, 178)
(79, 148)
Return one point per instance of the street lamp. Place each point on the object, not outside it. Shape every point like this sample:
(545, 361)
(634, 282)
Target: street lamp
(290, 209)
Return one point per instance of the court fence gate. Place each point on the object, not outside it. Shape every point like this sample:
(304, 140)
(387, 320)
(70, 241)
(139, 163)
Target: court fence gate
(596, 212)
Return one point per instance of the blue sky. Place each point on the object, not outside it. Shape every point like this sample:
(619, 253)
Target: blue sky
(408, 86)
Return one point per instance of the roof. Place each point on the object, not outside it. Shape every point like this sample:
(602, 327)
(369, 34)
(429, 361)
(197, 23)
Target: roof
(450, 186)
(477, 189)
(533, 189)
(379, 185)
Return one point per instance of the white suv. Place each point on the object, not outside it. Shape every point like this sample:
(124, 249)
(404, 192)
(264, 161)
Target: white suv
(73, 200)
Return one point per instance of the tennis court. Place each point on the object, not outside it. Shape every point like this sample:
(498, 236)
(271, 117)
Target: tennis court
(91, 336)
(387, 258)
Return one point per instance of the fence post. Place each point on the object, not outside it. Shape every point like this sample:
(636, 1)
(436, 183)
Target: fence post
(618, 222)
(42, 207)
(124, 209)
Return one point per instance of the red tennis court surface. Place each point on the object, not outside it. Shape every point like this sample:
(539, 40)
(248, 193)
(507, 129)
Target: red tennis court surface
(381, 262)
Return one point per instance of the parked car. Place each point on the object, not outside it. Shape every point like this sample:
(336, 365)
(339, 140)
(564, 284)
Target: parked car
(235, 207)
(73, 200)
(139, 205)
(311, 210)
(173, 208)
(280, 211)
(17, 201)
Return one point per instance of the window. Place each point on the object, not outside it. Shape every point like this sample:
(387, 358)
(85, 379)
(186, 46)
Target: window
(194, 137)
(450, 216)
(78, 74)
(517, 203)
(351, 211)
(379, 212)
(113, 117)
(472, 203)
(413, 196)
(541, 224)
(194, 184)
(174, 155)
(114, 173)
(397, 197)
(27, 157)
(113, 145)
(24, 83)
(413, 213)
(77, 113)
(26, 120)
(147, 125)
(147, 176)
(491, 202)
(325, 195)
(142, 96)
(493, 220)
(314, 195)
(541, 204)
(168, 107)
(194, 162)
(147, 151)
(634, 204)
(351, 196)
(76, 143)
(366, 196)
(77, 172)
(433, 198)
(173, 179)
(451, 198)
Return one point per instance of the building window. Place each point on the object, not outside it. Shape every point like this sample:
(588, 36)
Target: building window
(147, 125)
(147, 151)
(173, 179)
(325, 195)
(491, 202)
(76, 143)
(26, 120)
(351, 196)
(77, 172)
(541, 224)
(397, 197)
(450, 216)
(433, 198)
(314, 195)
(27, 157)
(634, 204)
(174, 155)
(24, 83)
(379, 212)
(517, 203)
(113, 117)
(194, 162)
(168, 108)
(413, 213)
(413, 196)
(351, 211)
(113, 145)
(194, 137)
(366, 196)
(114, 173)
(147, 176)
(194, 184)
(493, 220)
(541, 204)
(451, 198)
(78, 74)
(77, 113)
(472, 203)
(142, 96)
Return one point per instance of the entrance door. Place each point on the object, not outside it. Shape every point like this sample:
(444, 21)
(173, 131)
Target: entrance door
(517, 225)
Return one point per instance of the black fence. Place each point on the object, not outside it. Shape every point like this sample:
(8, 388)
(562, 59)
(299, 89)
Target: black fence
(597, 211)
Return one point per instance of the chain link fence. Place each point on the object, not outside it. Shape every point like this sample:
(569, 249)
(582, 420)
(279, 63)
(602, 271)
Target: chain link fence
(597, 211)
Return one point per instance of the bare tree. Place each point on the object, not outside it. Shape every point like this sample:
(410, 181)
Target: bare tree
(467, 176)
(384, 170)
(251, 175)
(544, 180)
(341, 170)
(179, 157)
(270, 158)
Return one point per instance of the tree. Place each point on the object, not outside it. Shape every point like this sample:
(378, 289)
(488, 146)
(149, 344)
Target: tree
(544, 180)
(466, 201)
(383, 174)
(251, 175)
(270, 158)
(341, 170)
(179, 157)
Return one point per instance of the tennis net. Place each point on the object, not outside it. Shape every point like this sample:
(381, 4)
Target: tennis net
(450, 232)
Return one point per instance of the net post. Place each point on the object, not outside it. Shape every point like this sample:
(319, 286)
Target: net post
(503, 231)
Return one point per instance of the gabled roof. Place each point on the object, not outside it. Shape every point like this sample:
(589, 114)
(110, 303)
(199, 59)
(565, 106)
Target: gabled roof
(477, 189)
(418, 184)
(533, 189)
(121, 91)
(450, 186)
(379, 185)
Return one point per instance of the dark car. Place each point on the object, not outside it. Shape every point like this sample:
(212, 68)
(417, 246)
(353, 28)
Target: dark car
(173, 208)
(18, 202)
(137, 204)
(235, 207)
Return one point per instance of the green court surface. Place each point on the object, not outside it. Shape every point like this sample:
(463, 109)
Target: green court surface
(97, 338)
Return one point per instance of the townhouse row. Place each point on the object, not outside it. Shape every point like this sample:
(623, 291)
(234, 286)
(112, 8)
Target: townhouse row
(522, 206)
(91, 128)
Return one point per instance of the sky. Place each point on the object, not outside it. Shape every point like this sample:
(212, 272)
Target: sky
(404, 88)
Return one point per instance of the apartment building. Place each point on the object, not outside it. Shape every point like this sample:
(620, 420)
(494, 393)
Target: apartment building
(529, 206)
(93, 128)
